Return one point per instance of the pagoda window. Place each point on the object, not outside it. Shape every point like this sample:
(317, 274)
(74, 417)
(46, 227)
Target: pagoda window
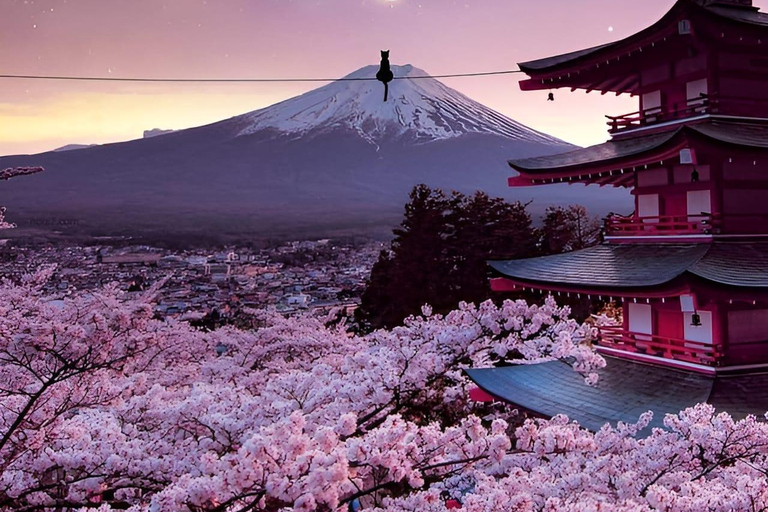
(651, 104)
(640, 317)
(648, 206)
(698, 202)
(696, 92)
(699, 333)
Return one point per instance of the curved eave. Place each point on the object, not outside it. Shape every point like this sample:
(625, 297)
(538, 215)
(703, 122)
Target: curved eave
(611, 163)
(567, 66)
(638, 270)
(604, 164)
(747, 16)
(567, 70)
(606, 266)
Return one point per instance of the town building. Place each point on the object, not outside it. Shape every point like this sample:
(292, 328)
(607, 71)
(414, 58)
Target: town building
(690, 265)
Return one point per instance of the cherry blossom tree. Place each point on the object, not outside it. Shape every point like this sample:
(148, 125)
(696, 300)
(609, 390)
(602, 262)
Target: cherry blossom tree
(701, 461)
(102, 406)
(6, 174)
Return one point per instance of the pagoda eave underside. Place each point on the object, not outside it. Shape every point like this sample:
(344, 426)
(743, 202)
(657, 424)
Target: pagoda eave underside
(612, 67)
(615, 171)
(731, 270)
(671, 290)
(615, 161)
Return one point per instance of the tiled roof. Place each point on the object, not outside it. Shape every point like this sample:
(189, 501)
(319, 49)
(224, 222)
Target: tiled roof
(749, 16)
(625, 390)
(751, 135)
(547, 62)
(740, 15)
(735, 264)
(606, 152)
(742, 264)
(607, 266)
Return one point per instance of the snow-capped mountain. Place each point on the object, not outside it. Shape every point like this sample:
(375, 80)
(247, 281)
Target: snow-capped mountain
(336, 159)
(420, 108)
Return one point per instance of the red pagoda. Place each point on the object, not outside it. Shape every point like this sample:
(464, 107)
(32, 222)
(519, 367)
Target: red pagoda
(690, 264)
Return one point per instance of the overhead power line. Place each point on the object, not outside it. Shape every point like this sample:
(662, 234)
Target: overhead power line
(244, 80)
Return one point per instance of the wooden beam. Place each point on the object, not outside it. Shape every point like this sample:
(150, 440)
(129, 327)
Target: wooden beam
(627, 85)
(608, 180)
(624, 180)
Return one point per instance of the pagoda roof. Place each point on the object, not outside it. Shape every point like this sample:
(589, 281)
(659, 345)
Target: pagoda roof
(750, 16)
(621, 266)
(598, 163)
(735, 264)
(560, 70)
(625, 390)
(610, 151)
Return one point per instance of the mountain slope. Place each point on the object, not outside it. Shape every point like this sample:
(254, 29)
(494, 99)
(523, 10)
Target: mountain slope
(421, 109)
(335, 158)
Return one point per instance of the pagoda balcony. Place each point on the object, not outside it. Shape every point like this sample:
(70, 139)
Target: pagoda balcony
(617, 338)
(664, 114)
(662, 225)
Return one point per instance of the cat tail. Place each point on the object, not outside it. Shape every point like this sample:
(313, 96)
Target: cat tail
(386, 90)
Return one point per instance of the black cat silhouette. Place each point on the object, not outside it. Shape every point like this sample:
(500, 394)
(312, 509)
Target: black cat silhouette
(385, 74)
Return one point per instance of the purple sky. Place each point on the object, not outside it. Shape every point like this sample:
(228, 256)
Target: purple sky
(284, 38)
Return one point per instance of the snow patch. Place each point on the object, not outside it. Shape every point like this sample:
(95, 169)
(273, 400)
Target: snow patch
(424, 109)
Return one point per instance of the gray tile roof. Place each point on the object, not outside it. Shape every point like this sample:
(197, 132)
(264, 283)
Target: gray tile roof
(749, 16)
(626, 389)
(735, 264)
(538, 64)
(741, 264)
(740, 15)
(750, 135)
(607, 266)
(606, 152)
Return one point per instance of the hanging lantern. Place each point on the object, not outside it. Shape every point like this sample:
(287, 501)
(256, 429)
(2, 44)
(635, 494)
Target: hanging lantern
(695, 320)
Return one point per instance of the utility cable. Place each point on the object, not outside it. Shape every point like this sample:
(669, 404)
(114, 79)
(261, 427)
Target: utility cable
(244, 80)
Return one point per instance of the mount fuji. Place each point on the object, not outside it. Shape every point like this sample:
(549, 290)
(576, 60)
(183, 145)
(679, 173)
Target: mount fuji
(337, 159)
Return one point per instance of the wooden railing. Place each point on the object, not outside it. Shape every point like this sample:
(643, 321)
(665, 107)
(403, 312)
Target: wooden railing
(661, 225)
(660, 346)
(691, 108)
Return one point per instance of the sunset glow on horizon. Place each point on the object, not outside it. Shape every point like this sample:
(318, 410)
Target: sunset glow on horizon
(291, 39)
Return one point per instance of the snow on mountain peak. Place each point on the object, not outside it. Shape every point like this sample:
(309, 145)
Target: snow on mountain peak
(423, 109)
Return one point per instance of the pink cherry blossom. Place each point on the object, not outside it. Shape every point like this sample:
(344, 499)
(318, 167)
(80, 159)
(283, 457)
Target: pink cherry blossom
(105, 407)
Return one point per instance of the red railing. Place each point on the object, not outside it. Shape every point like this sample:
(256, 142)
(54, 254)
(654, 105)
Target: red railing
(661, 225)
(691, 108)
(650, 344)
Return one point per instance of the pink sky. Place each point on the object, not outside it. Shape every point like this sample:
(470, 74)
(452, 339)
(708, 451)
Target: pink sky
(284, 38)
